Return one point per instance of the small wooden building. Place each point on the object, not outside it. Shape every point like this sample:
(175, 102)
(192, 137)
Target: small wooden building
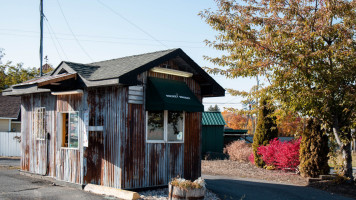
(131, 122)
(231, 135)
(213, 132)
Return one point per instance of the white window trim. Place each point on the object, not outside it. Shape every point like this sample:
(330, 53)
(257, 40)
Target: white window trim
(74, 148)
(165, 129)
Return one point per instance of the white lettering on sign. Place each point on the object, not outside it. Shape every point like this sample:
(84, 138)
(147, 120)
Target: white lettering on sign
(184, 97)
(177, 96)
(172, 95)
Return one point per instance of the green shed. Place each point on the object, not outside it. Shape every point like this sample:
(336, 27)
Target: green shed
(231, 135)
(213, 132)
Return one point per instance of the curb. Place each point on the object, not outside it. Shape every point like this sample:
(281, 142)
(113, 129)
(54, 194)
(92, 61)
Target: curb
(103, 190)
(53, 180)
(97, 189)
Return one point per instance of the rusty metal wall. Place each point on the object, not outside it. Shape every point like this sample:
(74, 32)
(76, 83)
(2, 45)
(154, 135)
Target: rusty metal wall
(68, 160)
(34, 152)
(103, 156)
(46, 157)
(118, 156)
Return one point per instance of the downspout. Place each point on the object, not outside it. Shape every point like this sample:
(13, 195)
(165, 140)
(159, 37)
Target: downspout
(9, 125)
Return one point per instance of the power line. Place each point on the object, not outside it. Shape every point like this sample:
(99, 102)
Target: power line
(54, 44)
(124, 18)
(51, 32)
(103, 36)
(60, 7)
(102, 41)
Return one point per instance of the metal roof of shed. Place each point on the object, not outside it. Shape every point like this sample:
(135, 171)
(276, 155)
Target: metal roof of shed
(212, 119)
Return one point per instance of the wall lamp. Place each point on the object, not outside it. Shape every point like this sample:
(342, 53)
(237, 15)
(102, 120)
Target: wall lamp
(67, 92)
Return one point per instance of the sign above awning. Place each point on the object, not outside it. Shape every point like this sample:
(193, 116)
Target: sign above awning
(165, 94)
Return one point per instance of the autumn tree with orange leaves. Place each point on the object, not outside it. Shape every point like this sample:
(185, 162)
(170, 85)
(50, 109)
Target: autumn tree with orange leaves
(305, 49)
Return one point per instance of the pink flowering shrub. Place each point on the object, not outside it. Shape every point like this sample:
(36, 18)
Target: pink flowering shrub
(281, 155)
(238, 151)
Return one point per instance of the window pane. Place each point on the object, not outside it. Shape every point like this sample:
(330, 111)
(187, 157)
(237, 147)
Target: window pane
(155, 123)
(73, 130)
(175, 126)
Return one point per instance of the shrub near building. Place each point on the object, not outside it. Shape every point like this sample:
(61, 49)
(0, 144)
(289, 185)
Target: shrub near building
(314, 151)
(266, 129)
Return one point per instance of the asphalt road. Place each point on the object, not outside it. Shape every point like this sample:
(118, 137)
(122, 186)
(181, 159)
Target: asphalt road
(245, 189)
(16, 186)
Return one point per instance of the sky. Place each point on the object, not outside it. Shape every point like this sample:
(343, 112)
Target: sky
(86, 31)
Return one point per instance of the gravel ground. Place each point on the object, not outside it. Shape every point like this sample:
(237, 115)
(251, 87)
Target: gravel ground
(162, 194)
(247, 170)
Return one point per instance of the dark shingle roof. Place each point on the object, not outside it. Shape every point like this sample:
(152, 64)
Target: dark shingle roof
(126, 69)
(116, 67)
(9, 106)
(212, 118)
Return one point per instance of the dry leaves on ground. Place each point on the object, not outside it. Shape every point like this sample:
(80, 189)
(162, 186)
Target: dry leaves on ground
(247, 170)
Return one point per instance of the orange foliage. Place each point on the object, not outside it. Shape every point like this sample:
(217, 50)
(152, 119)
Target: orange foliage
(289, 125)
(234, 121)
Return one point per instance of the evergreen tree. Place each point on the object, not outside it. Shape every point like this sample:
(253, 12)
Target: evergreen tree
(214, 108)
(314, 151)
(266, 129)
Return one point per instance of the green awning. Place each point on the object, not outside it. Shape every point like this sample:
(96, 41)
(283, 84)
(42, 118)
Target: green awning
(165, 94)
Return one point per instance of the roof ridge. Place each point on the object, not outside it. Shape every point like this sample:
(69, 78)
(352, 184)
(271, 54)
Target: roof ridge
(93, 63)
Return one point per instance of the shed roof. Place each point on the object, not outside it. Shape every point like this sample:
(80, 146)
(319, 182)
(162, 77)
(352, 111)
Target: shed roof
(212, 119)
(9, 106)
(231, 131)
(125, 71)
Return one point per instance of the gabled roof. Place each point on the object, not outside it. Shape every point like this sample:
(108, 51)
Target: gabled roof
(212, 119)
(9, 106)
(125, 70)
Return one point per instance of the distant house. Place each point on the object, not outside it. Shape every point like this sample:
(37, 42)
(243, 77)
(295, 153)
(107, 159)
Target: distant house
(10, 114)
(213, 132)
(130, 122)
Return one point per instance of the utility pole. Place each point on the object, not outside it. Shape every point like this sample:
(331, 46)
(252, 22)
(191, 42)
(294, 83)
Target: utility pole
(41, 40)
(258, 84)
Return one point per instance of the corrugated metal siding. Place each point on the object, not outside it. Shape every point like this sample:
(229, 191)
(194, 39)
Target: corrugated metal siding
(68, 160)
(118, 156)
(108, 108)
(212, 139)
(34, 156)
(133, 160)
(212, 118)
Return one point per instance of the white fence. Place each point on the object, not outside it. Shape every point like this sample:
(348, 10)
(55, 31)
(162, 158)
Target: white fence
(9, 145)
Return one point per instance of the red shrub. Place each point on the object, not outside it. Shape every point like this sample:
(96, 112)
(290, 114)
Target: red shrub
(282, 155)
(251, 158)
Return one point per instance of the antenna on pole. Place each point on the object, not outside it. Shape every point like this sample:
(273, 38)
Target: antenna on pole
(41, 40)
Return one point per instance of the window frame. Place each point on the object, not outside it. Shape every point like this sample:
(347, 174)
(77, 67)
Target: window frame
(165, 129)
(39, 122)
(61, 125)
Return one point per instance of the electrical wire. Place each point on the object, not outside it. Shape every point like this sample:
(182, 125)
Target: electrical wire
(54, 44)
(51, 32)
(60, 7)
(103, 36)
(133, 24)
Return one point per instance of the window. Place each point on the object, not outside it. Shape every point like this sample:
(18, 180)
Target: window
(40, 123)
(165, 126)
(70, 129)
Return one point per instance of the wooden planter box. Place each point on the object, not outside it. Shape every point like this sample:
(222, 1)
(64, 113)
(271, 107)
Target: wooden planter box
(177, 193)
